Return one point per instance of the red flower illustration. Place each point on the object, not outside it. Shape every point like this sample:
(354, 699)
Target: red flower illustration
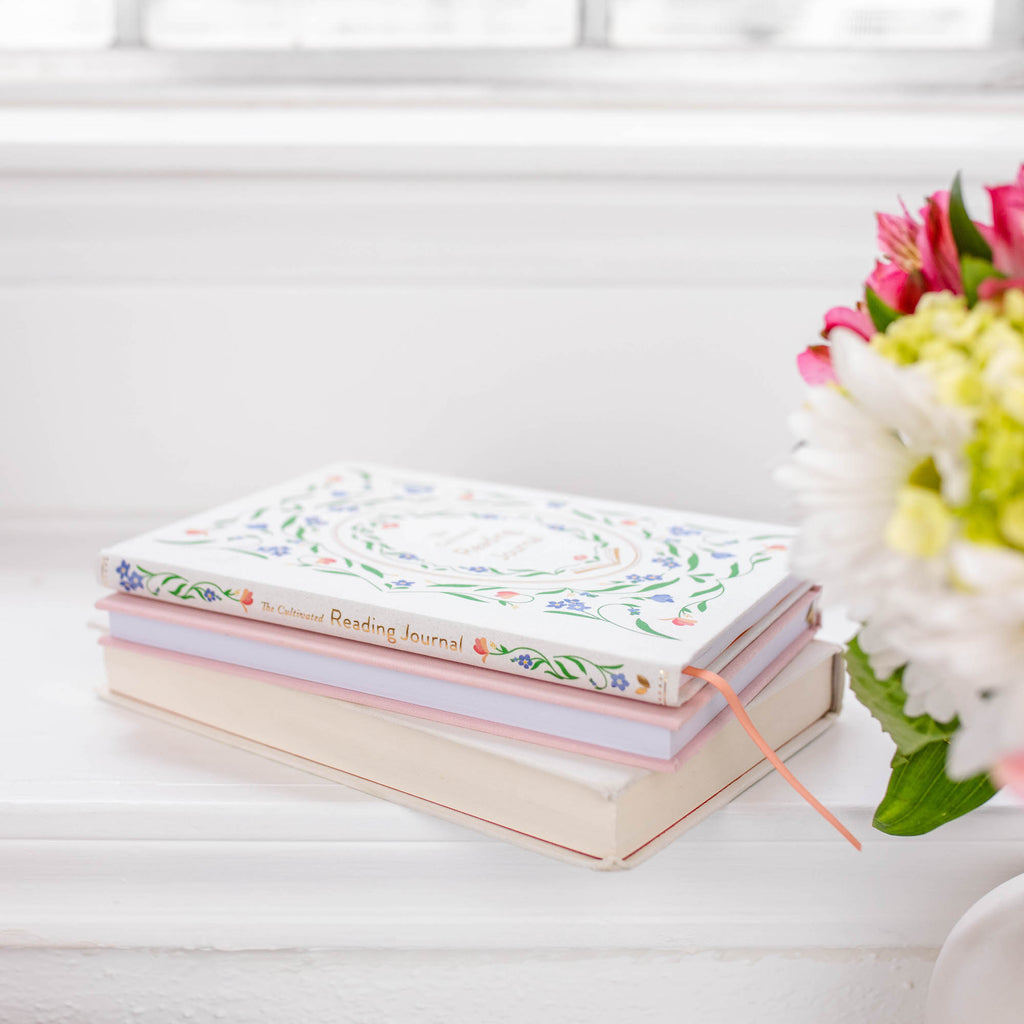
(246, 600)
(196, 533)
(507, 593)
(326, 561)
(480, 646)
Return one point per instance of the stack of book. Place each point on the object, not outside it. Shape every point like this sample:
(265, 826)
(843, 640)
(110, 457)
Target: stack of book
(510, 659)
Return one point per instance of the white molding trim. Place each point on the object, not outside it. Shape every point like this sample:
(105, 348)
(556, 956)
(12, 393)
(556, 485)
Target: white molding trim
(462, 195)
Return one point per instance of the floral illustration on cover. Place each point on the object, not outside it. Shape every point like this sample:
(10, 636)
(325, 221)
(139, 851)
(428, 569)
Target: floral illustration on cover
(562, 666)
(172, 584)
(643, 573)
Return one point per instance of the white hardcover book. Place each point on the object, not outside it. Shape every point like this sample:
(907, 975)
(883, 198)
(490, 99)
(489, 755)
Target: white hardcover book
(607, 597)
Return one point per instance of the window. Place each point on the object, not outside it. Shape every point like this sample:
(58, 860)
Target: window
(505, 24)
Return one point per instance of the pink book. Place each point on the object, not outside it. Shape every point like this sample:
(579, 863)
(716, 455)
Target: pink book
(630, 732)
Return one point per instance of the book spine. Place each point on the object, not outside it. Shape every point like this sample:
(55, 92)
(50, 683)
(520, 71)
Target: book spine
(595, 671)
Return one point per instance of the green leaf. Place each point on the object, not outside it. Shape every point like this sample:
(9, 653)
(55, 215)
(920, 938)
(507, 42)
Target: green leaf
(973, 271)
(885, 698)
(881, 313)
(693, 561)
(640, 624)
(921, 796)
(969, 240)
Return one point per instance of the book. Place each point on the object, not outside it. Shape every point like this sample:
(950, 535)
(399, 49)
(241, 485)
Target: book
(581, 809)
(474, 697)
(585, 593)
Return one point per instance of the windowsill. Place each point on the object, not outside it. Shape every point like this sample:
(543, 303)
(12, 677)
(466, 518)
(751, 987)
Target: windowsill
(120, 831)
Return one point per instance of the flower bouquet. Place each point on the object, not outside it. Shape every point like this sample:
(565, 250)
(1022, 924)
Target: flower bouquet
(909, 482)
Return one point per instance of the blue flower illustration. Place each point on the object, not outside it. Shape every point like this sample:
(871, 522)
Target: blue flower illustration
(256, 526)
(634, 578)
(556, 604)
(557, 526)
(339, 494)
(669, 563)
(633, 610)
(408, 555)
(722, 554)
(487, 515)
(134, 582)
(619, 681)
(576, 605)
(278, 551)
(418, 488)
(525, 660)
(556, 504)
(477, 568)
(315, 521)
(664, 598)
(402, 583)
(682, 531)
(210, 594)
(123, 569)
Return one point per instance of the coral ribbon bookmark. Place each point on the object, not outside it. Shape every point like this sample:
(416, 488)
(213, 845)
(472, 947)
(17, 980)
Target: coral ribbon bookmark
(744, 719)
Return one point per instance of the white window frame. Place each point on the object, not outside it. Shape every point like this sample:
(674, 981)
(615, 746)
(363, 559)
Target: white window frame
(591, 71)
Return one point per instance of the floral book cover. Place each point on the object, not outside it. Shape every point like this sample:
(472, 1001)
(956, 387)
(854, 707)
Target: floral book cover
(575, 591)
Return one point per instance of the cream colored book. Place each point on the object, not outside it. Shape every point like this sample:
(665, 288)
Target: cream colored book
(574, 807)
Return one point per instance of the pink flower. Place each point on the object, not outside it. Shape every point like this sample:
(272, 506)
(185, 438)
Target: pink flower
(1006, 236)
(856, 320)
(919, 257)
(815, 365)
(895, 287)
(480, 646)
(326, 561)
(922, 257)
(993, 287)
(683, 622)
(503, 594)
(940, 262)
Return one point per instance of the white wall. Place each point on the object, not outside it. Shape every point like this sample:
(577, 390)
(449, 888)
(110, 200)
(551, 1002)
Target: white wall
(173, 337)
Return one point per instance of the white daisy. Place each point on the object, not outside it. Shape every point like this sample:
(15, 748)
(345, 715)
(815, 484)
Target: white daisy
(860, 447)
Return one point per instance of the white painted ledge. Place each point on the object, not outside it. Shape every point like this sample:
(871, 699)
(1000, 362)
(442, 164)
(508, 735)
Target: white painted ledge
(874, 139)
(120, 832)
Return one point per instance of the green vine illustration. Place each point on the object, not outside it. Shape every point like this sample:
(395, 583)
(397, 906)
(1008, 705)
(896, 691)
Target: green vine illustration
(565, 667)
(173, 584)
